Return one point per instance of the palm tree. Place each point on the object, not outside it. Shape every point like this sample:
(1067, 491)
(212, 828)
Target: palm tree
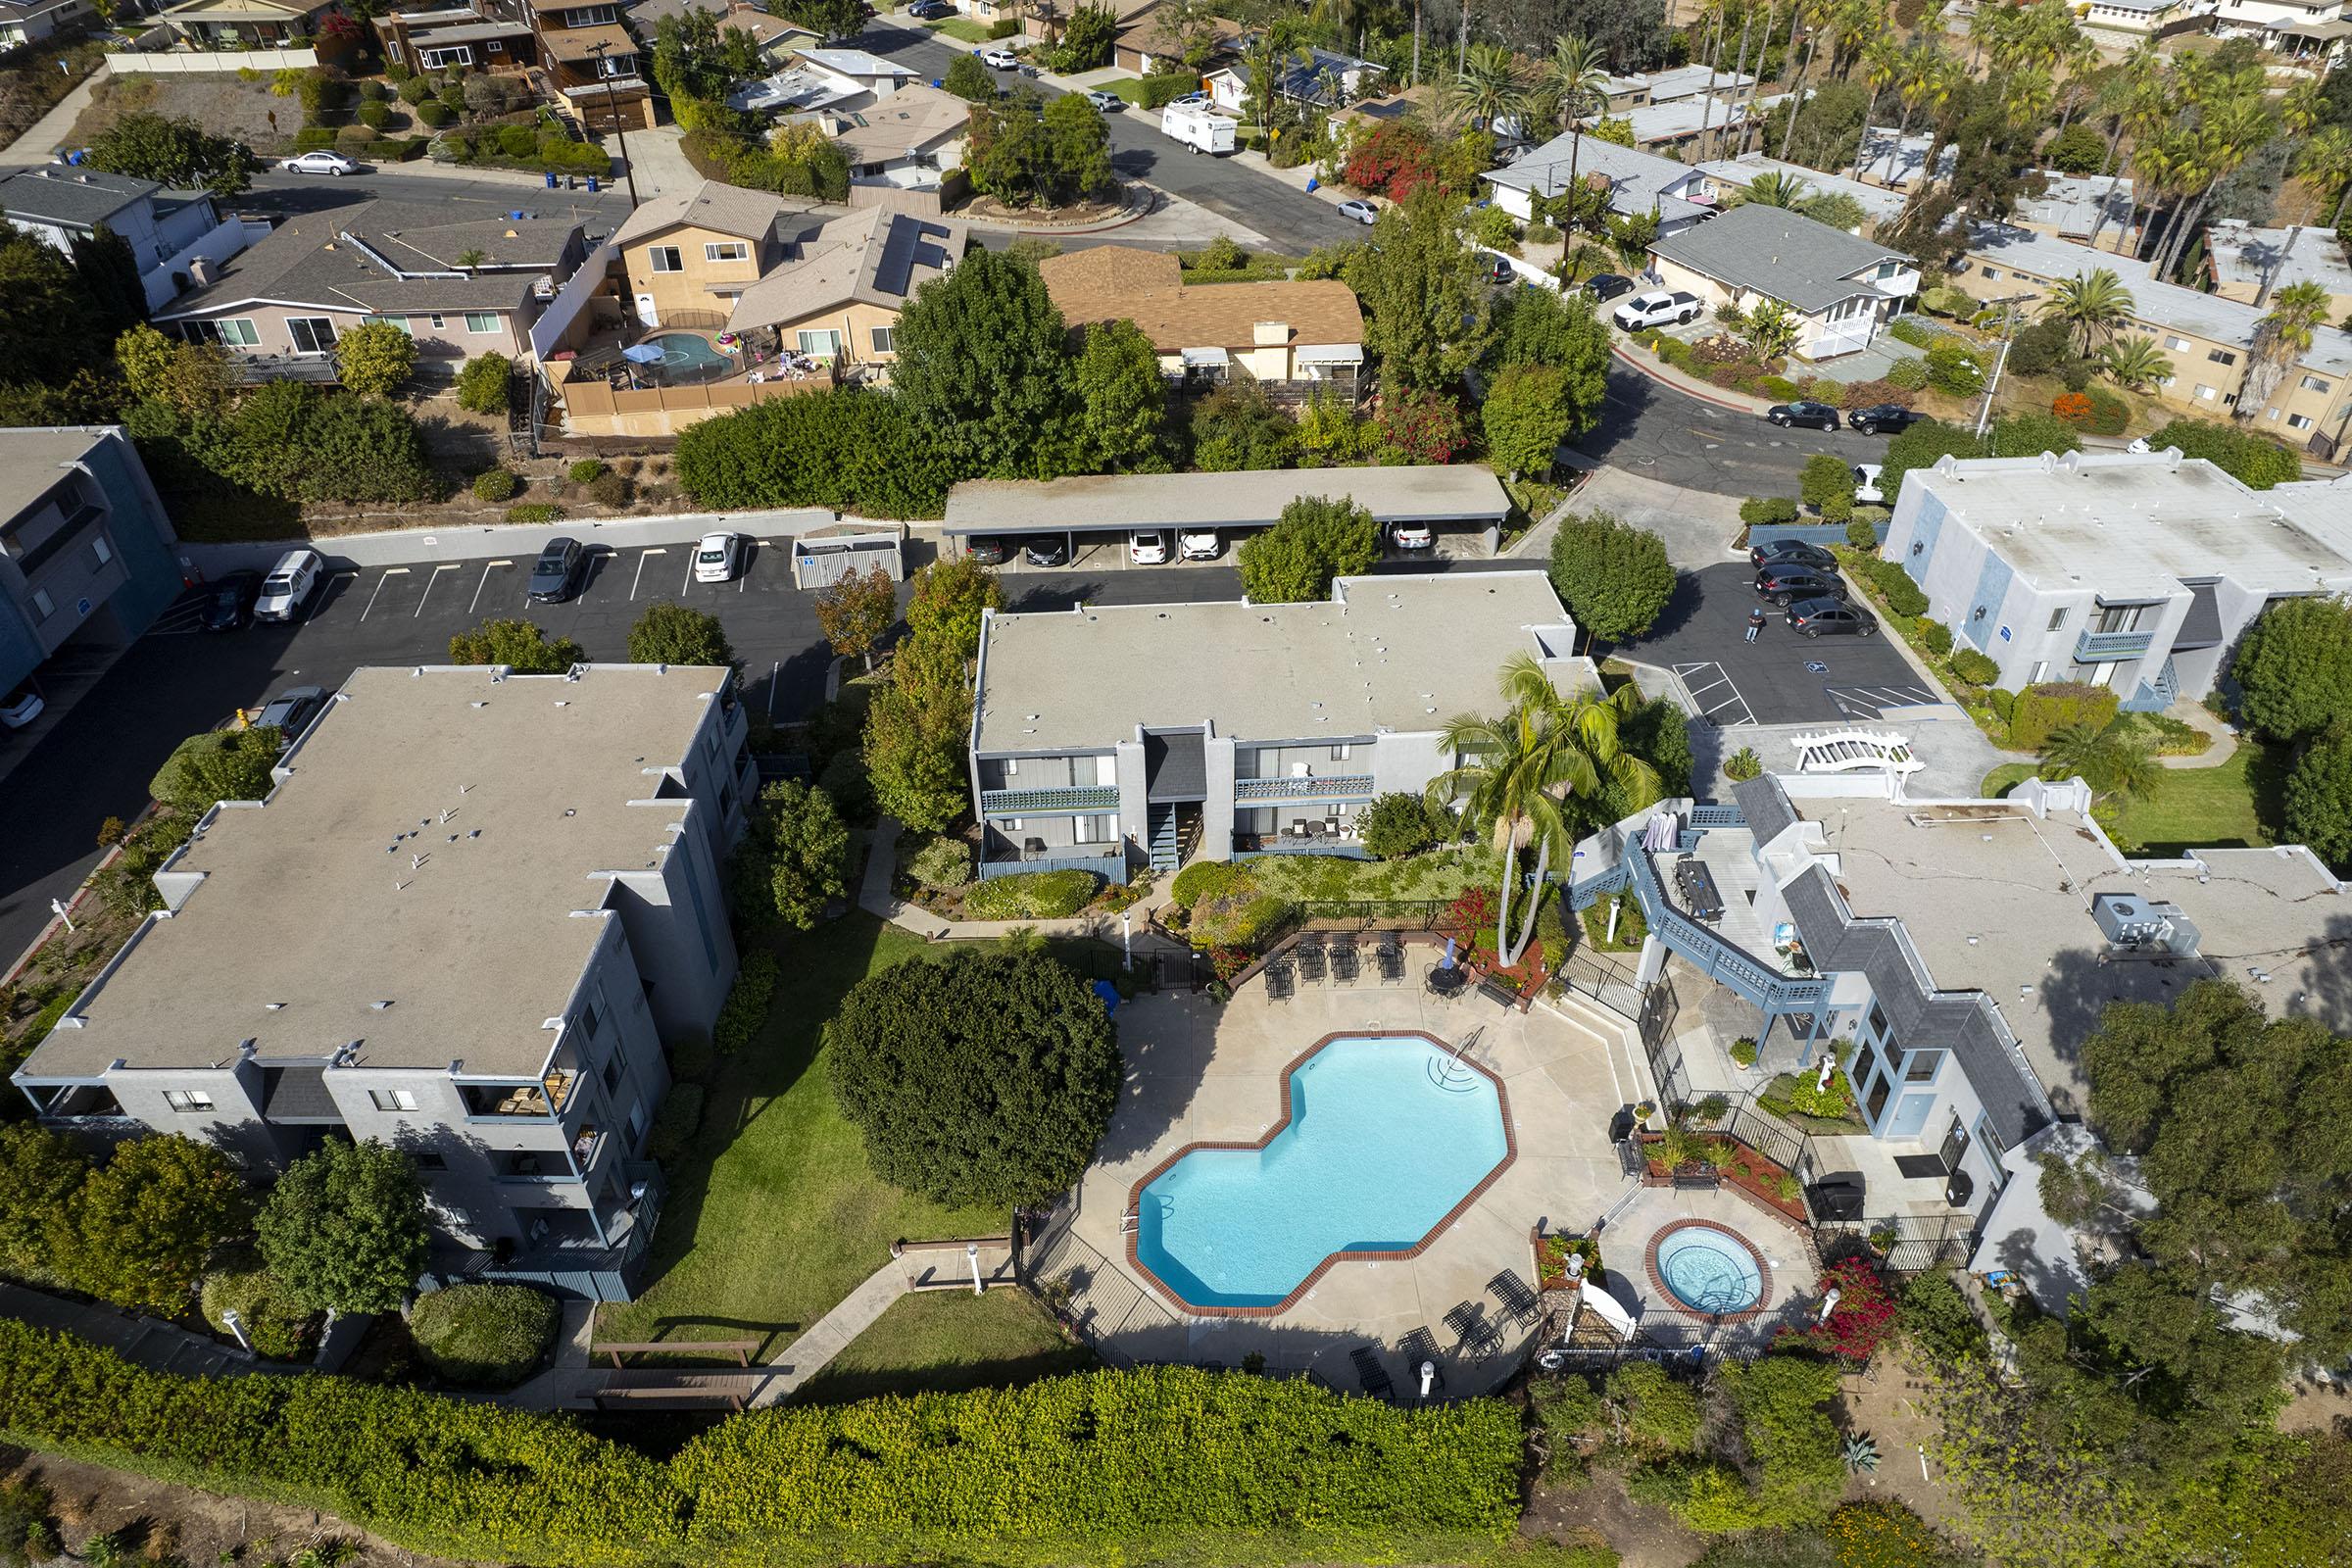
(2279, 339)
(2230, 133)
(1269, 57)
(1881, 68)
(1772, 188)
(1491, 87)
(2108, 760)
(2326, 161)
(1772, 329)
(2093, 304)
(2135, 364)
(1521, 772)
(1575, 79)
(2028, 95)
(1926, 81)
(1820, 15)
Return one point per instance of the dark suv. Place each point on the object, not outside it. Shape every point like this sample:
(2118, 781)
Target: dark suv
(1793, 552)
(556, 574)
(1883, 419)
(1813, 416)
(1784, 585)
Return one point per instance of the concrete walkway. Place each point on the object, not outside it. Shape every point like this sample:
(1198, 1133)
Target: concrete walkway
(2225, 739)
(144, 1342)
(831, 1335)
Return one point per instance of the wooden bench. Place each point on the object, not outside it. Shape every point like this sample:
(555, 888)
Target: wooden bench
(681, 1391)
(741, 1348)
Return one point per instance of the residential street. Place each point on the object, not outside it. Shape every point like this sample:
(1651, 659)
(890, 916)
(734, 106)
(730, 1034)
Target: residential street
(1651, 429)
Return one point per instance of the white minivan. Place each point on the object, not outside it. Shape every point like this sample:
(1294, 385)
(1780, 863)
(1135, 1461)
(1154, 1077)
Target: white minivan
(290, 585)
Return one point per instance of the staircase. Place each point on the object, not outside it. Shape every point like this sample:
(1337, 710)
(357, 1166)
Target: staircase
(1166, 853)
(2155, 696)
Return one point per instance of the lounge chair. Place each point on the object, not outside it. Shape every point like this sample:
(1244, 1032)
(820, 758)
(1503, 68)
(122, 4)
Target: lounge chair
(1418, 1346)
(1390, 956)
(1479, 1338)
(1280, 982)
(1517, 1298)
(1310, 962)
(1371, 1374)
(1344, 965)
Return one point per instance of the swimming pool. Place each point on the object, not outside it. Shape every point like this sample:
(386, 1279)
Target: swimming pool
(689, 356)
(1707, 1270)
(1385, 1139)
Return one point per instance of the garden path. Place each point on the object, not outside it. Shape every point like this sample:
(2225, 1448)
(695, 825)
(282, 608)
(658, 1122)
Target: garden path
(2225, 739)
(831, 1335)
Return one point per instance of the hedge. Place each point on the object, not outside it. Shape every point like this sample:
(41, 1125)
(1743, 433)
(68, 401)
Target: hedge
(1033, 896)
(2043, 710)
(1183, 1462)
(746, 1008)
(1975, 669)
(492, 1336)
(846, 451)
(1894, 584)
(679, 1119)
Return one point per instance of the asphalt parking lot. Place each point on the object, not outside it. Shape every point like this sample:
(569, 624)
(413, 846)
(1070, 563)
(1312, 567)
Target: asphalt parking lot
(1781, 678)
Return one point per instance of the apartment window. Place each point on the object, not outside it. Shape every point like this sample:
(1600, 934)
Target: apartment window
(187, 1100)
(2270, 414)
(480, 321)
(668, 259)
(1866, 1062)
(823, 345)
(1089, 830)
(731, 249)
(2222, 357)
(495, 46)
(1339, 753)
(2179, 345)
(2057, 618)
(400, 321)
(312, 334)
(2311, 383)
(101, 550)
(618, 66)
(2206, 392)
(439, 322)
(2297, 422)
(886, 340)
(1013, 765)
(238, 334)
(451, 55)
(612, 1075)
(427, 1160)
(392, 1099)
(1991, 274)
(1922, 1065)
(43, 603)
(589, 1021)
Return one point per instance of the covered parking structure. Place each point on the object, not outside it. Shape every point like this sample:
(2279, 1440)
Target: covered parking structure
(1462, 498)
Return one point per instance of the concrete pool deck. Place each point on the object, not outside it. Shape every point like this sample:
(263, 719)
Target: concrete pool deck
(1791, 1284)
(1198, 1072)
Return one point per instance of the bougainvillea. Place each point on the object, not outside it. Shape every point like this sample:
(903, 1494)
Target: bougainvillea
(1394, 161)
(1425, 427)
(1862, 1319)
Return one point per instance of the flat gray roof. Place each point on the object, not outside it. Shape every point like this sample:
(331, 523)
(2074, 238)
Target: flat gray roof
(1781, 254)
(1401, 653)
(1252, 499)
(311, 899)
(33, 459)
(1877, 202)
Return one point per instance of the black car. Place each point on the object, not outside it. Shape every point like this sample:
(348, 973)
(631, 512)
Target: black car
(1793, 552)
(1045, 549)
(1883, 419)
(1812, 416)
(1606, 286)
(1828, 617)
(556, 574)
(228, 600)
(989, 551)
(930, 10)
(1784, 585)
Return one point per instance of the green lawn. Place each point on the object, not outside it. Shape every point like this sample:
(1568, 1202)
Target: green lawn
(1129, 88)
(958, 27)
(2004, 778)
(2237, 804)
(946, 1341)
(776, 1216)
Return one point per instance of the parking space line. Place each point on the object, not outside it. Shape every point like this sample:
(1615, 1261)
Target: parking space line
(447, 566)
(487, 567)
(642, 557)
(1713, 708)
(390, 573)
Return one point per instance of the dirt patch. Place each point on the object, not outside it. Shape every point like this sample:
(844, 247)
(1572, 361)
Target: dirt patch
(1889, 1402)
(224, 104)
(1644, 1536)
(988, 210)
(2317, 1408)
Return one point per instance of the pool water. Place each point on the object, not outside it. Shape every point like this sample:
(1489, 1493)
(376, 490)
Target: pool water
(1707, 1270)
(688, 356)
(1387, 1135)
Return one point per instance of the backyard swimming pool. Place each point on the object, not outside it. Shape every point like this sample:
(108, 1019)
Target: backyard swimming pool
(1386, 1139)
(687, 358)
(1707, 1270)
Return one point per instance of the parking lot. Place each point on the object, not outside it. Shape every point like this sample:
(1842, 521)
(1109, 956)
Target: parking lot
(1780, 678)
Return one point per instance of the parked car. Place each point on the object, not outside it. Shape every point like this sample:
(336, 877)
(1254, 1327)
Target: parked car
(2138, 446)
(291, 712)
(1204, 545)
(1362, 212)
(318, 162)
(556, 574)
(1829, 617)
(1883, 419)
(1812, 416)
(20, 706)
(1148, 547)
(1866, 485)
(930, 10)
(290, 585)
(1656, 308)
(1792, 553)
(1500, 271)
(1108, 103)
(1412, 536)
(1784, 585)
(720, 557)
(1606, 286)
(989, 551)
(1047, 549)
(228, 600)
(1000, 60)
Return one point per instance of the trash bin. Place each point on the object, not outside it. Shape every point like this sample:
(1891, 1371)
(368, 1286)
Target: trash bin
(551, 180)
(1312, 183)
(593, 187)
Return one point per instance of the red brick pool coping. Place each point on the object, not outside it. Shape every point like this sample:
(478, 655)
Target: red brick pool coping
(1135, 1194)
(1665, 1291)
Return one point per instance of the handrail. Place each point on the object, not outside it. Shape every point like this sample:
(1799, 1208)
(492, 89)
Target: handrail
(1712, 955)
(1044, 802)
(2097, 647)
(1339, 785)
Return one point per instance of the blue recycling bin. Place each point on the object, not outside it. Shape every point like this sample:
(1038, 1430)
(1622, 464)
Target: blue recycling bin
(551, 180)
(1312, 183)
(593, 187)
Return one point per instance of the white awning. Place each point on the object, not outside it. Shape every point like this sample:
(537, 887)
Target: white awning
(1204, 359)
(1330, 354)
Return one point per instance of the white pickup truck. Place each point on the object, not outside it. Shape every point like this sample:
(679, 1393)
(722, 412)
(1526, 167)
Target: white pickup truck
(1197, 126)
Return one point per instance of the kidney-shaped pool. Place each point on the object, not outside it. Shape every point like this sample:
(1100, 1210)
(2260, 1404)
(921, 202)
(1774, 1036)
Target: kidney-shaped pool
(1384, 1140)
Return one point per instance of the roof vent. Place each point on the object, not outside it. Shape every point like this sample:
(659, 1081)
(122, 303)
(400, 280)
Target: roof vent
(378, 1006)
(274, 1006)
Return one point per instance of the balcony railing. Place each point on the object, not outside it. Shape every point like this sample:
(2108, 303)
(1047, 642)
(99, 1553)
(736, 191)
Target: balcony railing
(1710, 954)
(1112, 867)
(2103, 647)
(1338, 787)
(1047, 802)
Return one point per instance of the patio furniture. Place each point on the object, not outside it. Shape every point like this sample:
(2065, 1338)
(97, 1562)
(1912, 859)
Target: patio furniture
(1371, 1375)
(1310, 962)
(1421, 1347)
(1446, 979)
(1391, 957)
(1497, 989)
(1330, 827)
(1837, 1196)
(1298, 828)
(1344, 965)
(1517, 1298)
(1280, 982)
(1696, 884)
(1479, 1338)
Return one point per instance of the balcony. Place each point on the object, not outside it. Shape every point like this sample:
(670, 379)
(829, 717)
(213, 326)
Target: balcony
(535, 1166)
(543, 1100)
(2106, 647)
(1072, 798)
(1337, 787)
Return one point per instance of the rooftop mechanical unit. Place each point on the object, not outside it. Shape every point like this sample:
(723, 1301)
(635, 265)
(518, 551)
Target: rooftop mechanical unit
(2143, 926)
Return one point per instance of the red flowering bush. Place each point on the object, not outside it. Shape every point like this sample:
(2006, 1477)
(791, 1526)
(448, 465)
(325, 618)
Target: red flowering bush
(1425, 427)
(1863, 1318)
(1394, 161)
(1230, 962)
(2073, 406)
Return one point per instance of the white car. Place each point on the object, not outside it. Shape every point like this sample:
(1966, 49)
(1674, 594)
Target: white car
(1412, 536)
(1656, 308)
(1201, 546)
(1362, 212)
(20, 706)
(718, 557)
(1148, 547)
(1108, 103)
(1866, 484)
(1000, 60)
(290, 584)
(320, 162)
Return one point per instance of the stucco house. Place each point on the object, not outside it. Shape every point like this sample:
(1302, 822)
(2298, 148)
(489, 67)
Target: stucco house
(173, 235)
(837, 294)
(1843, 288)
(689, 258)
(1309, 331)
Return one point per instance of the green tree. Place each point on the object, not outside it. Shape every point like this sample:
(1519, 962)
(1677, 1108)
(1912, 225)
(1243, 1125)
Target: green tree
(1087, 39)
(2135, 363)
(139, 1230)
(1525, 416)
(376, 359)
(2095, 305)
(2319, 798)
(915, 733)
(674, 634)
(522, 645)
(1396, 824)
(175, 151)
(967, 78)
(40, 1172)
(344, 1229)
(794, 858)
(1121, 399)
(2251, 460)
(1772, 331)
(1316, 539)
(948, 599)
(109, 273)
(1614, 577)
(482, 383)
(1825, 478)
(194, 378)
(1537, 326)
(222, 765)
(1078, 141)
(983, 360)
(2108, 760)
(1428, 304)
(985, 1079)
(855, 610)
(47, 319)
(2075, 149)
(2294, 667)
(2031, 434)
(1918, 445)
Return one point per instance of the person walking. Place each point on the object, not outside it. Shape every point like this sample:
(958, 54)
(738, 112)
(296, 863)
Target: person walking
(1755, 622)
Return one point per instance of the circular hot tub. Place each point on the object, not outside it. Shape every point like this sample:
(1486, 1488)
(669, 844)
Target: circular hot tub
(1708, 1270)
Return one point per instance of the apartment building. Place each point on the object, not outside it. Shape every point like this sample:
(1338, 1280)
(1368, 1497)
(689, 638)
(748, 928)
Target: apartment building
(1640, 183)
(465, 919)
(172, 234)
(479, 37)
(1622, 95)
(2209, 338)
(2242, 260)
(2135, 572)
(1308, 333)
(1841, 288)
(1111, 736)
(87, 552)
(689, 258)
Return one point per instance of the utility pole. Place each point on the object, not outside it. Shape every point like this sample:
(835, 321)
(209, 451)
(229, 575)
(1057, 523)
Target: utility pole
(611, 108)
(2008, 306)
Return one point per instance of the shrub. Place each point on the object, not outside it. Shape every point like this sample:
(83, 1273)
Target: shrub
(1914, 331)
(1396, 826)
(1032, 896)
(2256, 463)
(1907, 375)
(2072, 407)
(487, 1336)
(692, 1058)
(1743, 1052)
(272, 1320)
(1862, 533)
(2043, 710)
(1766, 509)
(941, 864)
(1205, 880)
(482, 383)
(1495, 229)
(2110, 414)
(588, 470)
(1165, 88)
(747, 1002)
(614, 490)
(495, 484)
(1777, 387)
(348, 138)
(374, 115)
(535, 511)
(1903, 596)
(1953, 368)
(676, 1123)
(1975, 669)
(2002, 702)
(1003, 27)
(434, 113)
(1743, 764)
(314, 138)
(1938, 636)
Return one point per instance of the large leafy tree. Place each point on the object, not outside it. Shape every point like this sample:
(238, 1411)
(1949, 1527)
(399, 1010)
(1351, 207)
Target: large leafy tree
(1316, 539)
(854, 612)
(1121, 399)
(1525, 416)
(376, 358)
(522, 645)
(175, 152)
(344, 1228)
(2294, 667)
(1429, 312)
(1537, 326)
(916, 732)
(2319, 798)
(983, 360)
(985, 1079)
(40, 1172)
(794, 858)
(1614, 577)
(674, 634)
(950, 594)
(139, 1230)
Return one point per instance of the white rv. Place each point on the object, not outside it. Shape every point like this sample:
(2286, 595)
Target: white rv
(1197, 126)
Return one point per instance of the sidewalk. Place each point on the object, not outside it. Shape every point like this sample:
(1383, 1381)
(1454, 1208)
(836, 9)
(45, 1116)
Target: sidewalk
(47, 133)
(1647, 364)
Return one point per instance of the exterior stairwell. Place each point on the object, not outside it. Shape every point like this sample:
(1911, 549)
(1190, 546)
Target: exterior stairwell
(1166, 853)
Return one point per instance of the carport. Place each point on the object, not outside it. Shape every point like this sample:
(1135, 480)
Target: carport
(1090, 506)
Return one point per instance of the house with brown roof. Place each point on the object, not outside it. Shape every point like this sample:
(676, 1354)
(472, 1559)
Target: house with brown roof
(1308, 333)
(908, 140)
(837, 296)
(689, 257)
(1147, 40)
(440, 37)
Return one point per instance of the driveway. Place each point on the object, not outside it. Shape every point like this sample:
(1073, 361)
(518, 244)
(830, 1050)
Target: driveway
(1781, 678)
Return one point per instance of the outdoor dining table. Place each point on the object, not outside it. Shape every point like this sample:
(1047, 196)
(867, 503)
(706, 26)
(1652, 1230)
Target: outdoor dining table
(1697, 886)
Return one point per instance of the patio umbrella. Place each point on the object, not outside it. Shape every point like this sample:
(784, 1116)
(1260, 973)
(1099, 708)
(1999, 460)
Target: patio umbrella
(1449, 963)
(643, 354)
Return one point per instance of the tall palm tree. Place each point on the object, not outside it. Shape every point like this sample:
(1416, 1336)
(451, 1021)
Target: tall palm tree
(2095, 304)
(1820, 16)
(2107, 759)
(2231, 133)
(1575, 80)
(2120, 94)
(1774, 189)
(1881, 67)
(2026, 95)
(2326, 161)
(1492, 85)
(2279, 339)
(2135, 364)
(1521, 773)
(1926, 81)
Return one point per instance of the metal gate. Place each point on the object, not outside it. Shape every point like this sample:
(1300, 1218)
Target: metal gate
(1659, 1005)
